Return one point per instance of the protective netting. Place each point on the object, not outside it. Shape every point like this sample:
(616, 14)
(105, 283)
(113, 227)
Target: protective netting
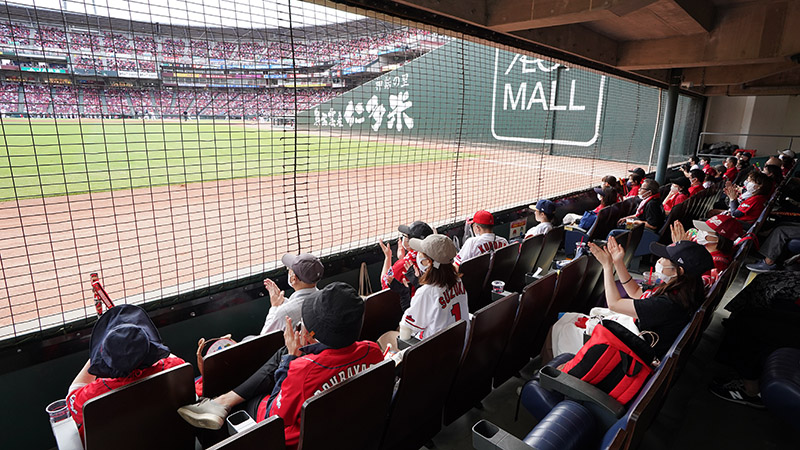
(172, 146)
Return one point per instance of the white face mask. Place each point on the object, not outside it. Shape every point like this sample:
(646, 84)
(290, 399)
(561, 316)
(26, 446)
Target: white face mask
(750, 186)
(600, 197)
(659, 273)
(704, 237)
(674, 188)
(642, 195)
(422, 267)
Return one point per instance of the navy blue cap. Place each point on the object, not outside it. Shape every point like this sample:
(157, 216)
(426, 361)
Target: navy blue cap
(124, 339)
(546, 206)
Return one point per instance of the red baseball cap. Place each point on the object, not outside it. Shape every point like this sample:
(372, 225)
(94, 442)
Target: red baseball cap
(482, 218)
(722, 224)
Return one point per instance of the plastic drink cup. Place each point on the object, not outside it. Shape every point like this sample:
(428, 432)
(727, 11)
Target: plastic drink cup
(405, 333)
(498, 286)
(629, 224)
(57, 411)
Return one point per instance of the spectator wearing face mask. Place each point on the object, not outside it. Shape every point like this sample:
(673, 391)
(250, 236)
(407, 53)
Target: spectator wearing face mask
(400, 276)
(747, 205)
(705, 165)
(607, 197)
(716, 235)
(678, 193)
(649, 212)
(696, 179)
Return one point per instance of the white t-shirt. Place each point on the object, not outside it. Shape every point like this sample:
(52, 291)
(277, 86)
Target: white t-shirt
(433, 309)
(276, 317)
(542, 228)
(478, 245)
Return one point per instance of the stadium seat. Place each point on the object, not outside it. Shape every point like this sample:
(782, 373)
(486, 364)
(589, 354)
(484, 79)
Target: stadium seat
(382, 313)
(142, 414)
(606, 221)
(503, 261)
(583, 300)
(351, 414)
(266, 434)
(634, 238)
(229, 367)
(427, 371)
(567, 286)
(488, 336)
(529, 252)
(474, 272)
(780, 385)
(552, 242)
(533, 304)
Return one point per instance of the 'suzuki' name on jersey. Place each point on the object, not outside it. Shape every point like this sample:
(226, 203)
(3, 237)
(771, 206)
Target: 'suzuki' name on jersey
(450, 294)
(341, 376)
(491, 245)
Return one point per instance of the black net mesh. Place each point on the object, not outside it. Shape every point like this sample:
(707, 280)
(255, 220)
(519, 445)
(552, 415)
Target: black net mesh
(172, 146)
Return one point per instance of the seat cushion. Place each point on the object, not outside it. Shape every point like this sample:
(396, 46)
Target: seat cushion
(537, 400)
(569, 425)
(780, 385)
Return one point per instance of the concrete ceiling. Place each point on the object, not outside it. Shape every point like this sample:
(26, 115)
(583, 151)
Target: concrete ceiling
(718, 47)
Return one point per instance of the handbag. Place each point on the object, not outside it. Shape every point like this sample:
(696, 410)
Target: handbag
(364, 285)
(615, 360)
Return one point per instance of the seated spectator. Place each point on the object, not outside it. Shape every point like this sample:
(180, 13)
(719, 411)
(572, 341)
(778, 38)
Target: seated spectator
(305, 271)
(399, 276)
(612, 182)
(743, 163)
(634, 181)
(775, 174)
(712, 176)
(774, 246)
(544, 210)
(730, 169)
(763, 319)
(696, 179)
(441, 299)
(717, 235)
(787, 162)
(774, 161)
(694, 163)
(705, 165)
(678, 193)
(649, 212)
(667, 308)
(125, 346)
(322, 353)
(607, 197)
(747, 206)
(482, 224)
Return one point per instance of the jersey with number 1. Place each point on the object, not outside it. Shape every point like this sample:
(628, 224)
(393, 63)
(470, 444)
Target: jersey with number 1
(434, 308)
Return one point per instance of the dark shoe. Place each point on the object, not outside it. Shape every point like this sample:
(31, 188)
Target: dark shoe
(761, 267)
(733, 391)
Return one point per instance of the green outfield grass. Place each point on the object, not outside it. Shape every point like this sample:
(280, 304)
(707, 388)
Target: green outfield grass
(47, 158)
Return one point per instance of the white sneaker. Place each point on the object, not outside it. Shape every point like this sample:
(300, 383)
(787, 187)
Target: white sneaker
(204, 414)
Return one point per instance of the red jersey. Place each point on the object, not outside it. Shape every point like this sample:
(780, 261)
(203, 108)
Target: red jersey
(398, 269)
(752, 208)
(77, 398)
(708, 170)
(694, 189)
(731, 174)
(314, 373)
(634, 191)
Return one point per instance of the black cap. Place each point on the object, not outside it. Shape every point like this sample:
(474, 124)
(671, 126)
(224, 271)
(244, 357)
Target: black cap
(124, 339)
(638, 171)
(692, 257)
(418, 230)
(683, 182)
(334, 315)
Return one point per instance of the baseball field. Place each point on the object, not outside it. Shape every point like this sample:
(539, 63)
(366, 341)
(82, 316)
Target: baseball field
(51, 158)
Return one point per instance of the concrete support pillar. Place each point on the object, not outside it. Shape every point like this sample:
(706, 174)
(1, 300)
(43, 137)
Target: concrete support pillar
(666, 128)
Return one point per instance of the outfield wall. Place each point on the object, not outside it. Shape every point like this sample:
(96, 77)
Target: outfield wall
(473, 93)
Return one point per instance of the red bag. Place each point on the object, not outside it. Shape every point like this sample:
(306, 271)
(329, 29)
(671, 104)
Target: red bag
(614, 360)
